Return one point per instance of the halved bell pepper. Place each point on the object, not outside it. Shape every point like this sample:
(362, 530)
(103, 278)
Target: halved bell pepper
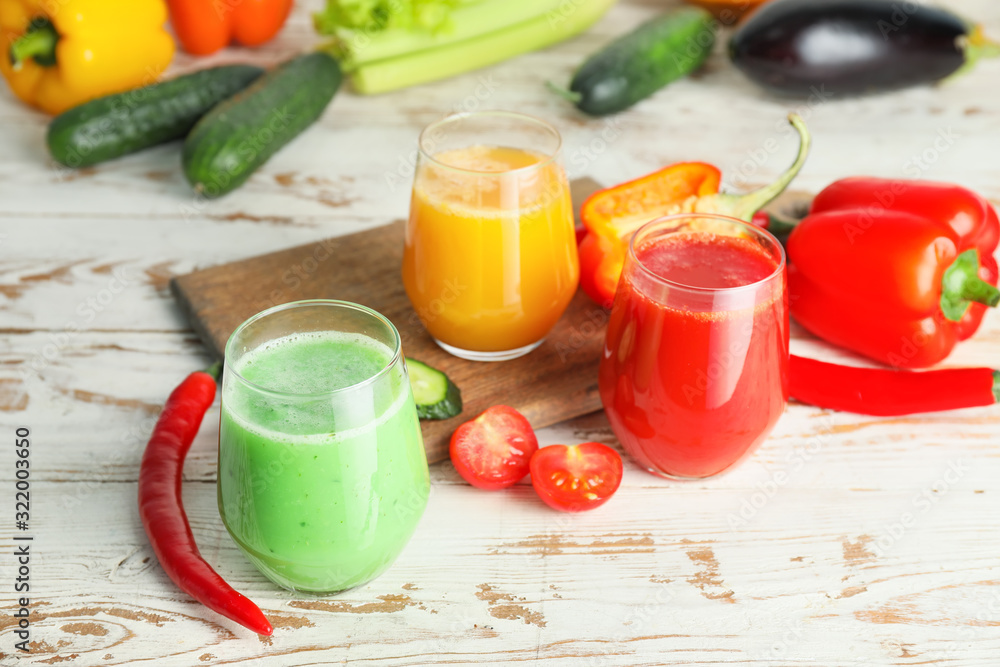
(899, 271)
(612, 215)
(205, 26)
(64, 53)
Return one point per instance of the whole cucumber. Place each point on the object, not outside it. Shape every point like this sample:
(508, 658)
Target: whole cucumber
(641, 62)
(849, 47)
(115, 125)
(239, 135)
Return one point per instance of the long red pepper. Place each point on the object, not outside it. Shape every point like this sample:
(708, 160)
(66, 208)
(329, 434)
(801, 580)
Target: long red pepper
(885, 392)
(162, 509)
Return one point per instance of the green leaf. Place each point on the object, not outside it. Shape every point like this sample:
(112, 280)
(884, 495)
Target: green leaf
(374, 16)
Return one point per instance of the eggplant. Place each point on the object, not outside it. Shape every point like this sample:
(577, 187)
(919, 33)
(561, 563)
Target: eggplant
(850, 47)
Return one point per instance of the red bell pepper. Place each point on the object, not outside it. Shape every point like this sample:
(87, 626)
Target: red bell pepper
(205, 26)
(613, 214)
(899, 271)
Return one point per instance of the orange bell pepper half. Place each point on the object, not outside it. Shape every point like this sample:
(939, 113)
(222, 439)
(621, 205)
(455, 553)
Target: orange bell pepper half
(204, 27)
(612, 215)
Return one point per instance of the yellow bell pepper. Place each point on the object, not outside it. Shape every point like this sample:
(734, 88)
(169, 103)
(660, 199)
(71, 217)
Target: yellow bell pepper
(65, 52)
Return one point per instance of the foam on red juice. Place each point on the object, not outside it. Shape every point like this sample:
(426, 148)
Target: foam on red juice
(693, 380)
(707, 260)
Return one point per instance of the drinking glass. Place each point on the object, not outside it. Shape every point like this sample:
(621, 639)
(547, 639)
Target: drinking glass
(694, 372)
(322, 471)
(489, 261)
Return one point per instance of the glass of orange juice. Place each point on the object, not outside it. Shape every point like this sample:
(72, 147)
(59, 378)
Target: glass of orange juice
(489, 261)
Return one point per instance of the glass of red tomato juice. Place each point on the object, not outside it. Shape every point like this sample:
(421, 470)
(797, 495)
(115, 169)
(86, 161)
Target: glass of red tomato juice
(695, 367)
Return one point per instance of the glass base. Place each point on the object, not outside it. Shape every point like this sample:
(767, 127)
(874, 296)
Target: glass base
(475, 355)
(313, 580)
(677, 478)
(684, 478)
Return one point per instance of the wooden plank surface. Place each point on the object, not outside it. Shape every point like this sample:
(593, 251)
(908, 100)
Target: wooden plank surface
(820, 567)
(645, 583)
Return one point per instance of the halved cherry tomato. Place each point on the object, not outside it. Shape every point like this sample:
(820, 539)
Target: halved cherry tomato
(573, 478)
(494, 450)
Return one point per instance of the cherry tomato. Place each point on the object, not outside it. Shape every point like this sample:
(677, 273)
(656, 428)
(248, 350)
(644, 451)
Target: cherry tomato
(494, 450)
(573, 478)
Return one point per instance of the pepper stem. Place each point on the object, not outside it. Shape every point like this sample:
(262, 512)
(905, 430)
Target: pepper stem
(962, 286)
(744, 206)
(38, 42)
(996, 386)
(976, 46)
(215, 370)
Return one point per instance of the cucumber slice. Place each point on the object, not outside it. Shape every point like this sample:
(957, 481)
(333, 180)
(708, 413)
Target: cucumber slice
(436, 396)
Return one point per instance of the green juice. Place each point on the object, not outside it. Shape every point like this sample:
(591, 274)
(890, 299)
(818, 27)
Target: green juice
(322, 480)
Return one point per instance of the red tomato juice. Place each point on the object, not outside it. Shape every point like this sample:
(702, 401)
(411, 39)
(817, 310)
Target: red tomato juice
(694, 371)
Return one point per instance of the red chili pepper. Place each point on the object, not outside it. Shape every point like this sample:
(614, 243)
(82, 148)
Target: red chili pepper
(885, 392)
(611, 215)
(205, 26)
(162, 510)
(899, 271)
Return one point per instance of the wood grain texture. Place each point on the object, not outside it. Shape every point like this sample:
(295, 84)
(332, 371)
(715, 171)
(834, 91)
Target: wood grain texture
(799, 557)
(553, 383)
(660, 576)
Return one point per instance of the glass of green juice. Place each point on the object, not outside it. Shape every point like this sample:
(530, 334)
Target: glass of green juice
(322, 471)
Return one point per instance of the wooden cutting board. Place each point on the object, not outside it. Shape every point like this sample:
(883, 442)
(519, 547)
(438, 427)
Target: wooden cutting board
(553, 383)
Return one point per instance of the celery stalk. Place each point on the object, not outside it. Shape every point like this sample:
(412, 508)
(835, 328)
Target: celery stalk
(438, 63)
(359, 47)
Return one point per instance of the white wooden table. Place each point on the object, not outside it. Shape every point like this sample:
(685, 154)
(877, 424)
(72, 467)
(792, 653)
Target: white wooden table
(798, 557)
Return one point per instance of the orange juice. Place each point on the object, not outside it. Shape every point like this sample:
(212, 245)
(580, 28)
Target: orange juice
(490, 258)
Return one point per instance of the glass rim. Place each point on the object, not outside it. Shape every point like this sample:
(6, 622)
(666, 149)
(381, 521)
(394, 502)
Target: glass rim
(462, 115)
(778, 270)
(350, 305)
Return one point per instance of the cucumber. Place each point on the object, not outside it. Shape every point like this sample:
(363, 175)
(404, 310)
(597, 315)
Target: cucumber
(239, 135)
(115, 125)
(435, 394)
(641, 62)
